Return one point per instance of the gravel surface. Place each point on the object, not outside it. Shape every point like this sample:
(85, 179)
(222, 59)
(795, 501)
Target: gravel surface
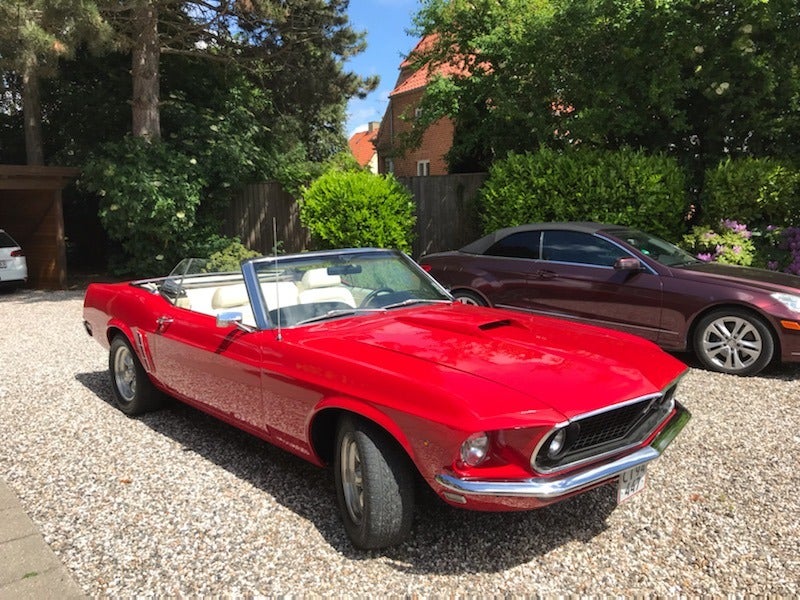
(175, 503)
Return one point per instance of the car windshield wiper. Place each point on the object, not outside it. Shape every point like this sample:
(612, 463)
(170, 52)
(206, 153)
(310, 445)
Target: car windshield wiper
(338, 312)
(410, 301)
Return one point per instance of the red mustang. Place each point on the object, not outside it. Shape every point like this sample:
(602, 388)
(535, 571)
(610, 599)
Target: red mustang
(359, 359)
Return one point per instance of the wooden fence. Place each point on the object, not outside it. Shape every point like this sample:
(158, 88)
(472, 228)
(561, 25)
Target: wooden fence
(445, 205)
(447, 217)
(250, 215)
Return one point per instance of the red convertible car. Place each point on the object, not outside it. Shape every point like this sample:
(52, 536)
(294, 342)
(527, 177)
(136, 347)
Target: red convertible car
(360, 360)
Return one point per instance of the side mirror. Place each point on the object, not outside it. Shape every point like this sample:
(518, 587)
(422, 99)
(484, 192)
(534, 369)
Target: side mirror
(226, 319)
(628, 264)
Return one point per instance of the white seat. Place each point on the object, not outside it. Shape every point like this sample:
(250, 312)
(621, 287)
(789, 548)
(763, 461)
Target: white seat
(233, 298)
(279, 294)
(318, 286)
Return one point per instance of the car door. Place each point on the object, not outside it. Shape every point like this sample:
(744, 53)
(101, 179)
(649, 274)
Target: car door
(506, 269)
(218, 367)
(575, 276)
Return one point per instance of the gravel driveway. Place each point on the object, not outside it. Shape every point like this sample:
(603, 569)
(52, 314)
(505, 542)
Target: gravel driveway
(175, 503)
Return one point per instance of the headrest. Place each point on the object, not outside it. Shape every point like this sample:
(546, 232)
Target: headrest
(229, 296)
(319, 278)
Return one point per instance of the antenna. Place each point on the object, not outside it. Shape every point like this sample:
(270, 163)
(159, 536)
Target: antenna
(277, 287)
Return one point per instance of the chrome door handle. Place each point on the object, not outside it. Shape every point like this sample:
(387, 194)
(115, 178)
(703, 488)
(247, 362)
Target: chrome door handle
(163, 323)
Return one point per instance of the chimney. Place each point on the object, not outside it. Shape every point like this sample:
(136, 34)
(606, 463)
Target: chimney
(373, 126)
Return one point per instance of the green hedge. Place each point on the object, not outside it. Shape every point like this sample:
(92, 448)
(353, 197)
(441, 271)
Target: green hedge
(358, 209)
(757, 191)
(625, 187)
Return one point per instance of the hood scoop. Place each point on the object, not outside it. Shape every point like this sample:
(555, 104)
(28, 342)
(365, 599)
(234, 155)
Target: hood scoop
(495, 325)
(460, 323)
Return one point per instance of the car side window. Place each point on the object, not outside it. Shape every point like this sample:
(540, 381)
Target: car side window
(580, 248)
(523, 244)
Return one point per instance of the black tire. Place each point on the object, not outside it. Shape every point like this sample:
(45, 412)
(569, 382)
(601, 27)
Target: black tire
(134, 393)
(467, 297)
(733, 341)
(374, 485)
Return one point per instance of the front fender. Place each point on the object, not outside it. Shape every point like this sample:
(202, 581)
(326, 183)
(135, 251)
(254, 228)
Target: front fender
(364, 410)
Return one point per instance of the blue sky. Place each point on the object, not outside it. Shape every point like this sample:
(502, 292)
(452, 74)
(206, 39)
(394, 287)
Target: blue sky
(385, 22)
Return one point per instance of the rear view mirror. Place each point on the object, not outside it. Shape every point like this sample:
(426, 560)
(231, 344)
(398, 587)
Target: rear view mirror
(628, 264)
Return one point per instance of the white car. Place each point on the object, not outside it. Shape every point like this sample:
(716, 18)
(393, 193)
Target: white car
(13, 267)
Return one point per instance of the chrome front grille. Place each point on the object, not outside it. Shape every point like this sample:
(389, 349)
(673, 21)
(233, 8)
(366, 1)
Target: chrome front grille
(598, 434)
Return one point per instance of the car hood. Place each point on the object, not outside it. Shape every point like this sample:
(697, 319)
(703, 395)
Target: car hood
(757, 278)
(547, 362)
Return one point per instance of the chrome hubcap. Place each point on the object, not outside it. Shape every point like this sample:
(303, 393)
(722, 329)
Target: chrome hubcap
(125, 374)
(732, 343)
(352, 479)
(467, 300)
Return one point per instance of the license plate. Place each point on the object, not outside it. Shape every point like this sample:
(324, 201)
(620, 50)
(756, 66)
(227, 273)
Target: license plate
(631, 482)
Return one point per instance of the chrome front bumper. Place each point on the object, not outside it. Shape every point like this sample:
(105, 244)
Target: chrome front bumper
(550, 488)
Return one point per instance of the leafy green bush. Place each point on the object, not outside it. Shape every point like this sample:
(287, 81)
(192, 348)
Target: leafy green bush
(149, 196)
(761, 192)
(230, 257)
(357, 209)
(625, 187)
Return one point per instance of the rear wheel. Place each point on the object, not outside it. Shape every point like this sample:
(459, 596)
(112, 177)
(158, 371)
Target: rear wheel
(467, 297)
(733, 341)
(374, 485)
(133, 391)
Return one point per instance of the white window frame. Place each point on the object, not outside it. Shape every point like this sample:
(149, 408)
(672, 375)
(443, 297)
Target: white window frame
(423, 168)
(389, 164)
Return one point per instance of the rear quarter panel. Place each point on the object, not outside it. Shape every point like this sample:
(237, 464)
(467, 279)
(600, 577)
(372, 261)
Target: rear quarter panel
(119, 307)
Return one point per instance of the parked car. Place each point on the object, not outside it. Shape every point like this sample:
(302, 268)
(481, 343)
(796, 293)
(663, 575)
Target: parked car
(360, 360)
(13, 266)
(735, 319)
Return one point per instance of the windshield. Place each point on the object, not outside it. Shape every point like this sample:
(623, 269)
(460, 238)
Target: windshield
(306, 288)
(656, 248)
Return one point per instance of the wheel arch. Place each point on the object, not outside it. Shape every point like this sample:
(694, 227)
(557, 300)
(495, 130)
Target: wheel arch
(116, 328)
(692, 329)
(471, 290)
(323, 426)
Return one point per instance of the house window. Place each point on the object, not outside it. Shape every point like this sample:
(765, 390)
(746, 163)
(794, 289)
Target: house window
(423, 168)
(417, 112)
(389, 163)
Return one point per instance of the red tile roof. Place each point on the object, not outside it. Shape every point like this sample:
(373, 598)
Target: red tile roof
(413, 80)
(362, 146)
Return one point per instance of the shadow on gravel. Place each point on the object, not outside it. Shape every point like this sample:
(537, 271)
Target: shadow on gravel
(445, 540)
(775, 370)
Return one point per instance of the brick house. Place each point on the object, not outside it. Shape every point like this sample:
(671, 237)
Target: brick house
(428, 158)
(362, 145)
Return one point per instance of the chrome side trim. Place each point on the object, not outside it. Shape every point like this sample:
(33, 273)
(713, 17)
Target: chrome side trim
(548, 488)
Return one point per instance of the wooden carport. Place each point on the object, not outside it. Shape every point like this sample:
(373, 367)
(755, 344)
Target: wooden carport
(31, 211)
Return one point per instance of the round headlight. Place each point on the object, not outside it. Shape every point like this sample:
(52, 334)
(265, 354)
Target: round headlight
(475, 449)
(556, 444)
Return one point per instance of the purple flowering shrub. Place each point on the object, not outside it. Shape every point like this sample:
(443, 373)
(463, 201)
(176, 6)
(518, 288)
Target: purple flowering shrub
(791, 244)
(729, 243)
(732, 243)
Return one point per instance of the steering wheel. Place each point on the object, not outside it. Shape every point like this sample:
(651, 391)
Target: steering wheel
(374, 294)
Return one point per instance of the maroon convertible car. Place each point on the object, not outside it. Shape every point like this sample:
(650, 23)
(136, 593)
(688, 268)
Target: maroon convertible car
(736, 319)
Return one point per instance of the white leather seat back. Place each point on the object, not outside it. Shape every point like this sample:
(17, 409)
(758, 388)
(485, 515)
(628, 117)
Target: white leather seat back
(318, 286)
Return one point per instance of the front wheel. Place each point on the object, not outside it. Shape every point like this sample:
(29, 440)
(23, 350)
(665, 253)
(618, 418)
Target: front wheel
(374, 485)
(133, 391)
(733, 341)
(467, 297)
